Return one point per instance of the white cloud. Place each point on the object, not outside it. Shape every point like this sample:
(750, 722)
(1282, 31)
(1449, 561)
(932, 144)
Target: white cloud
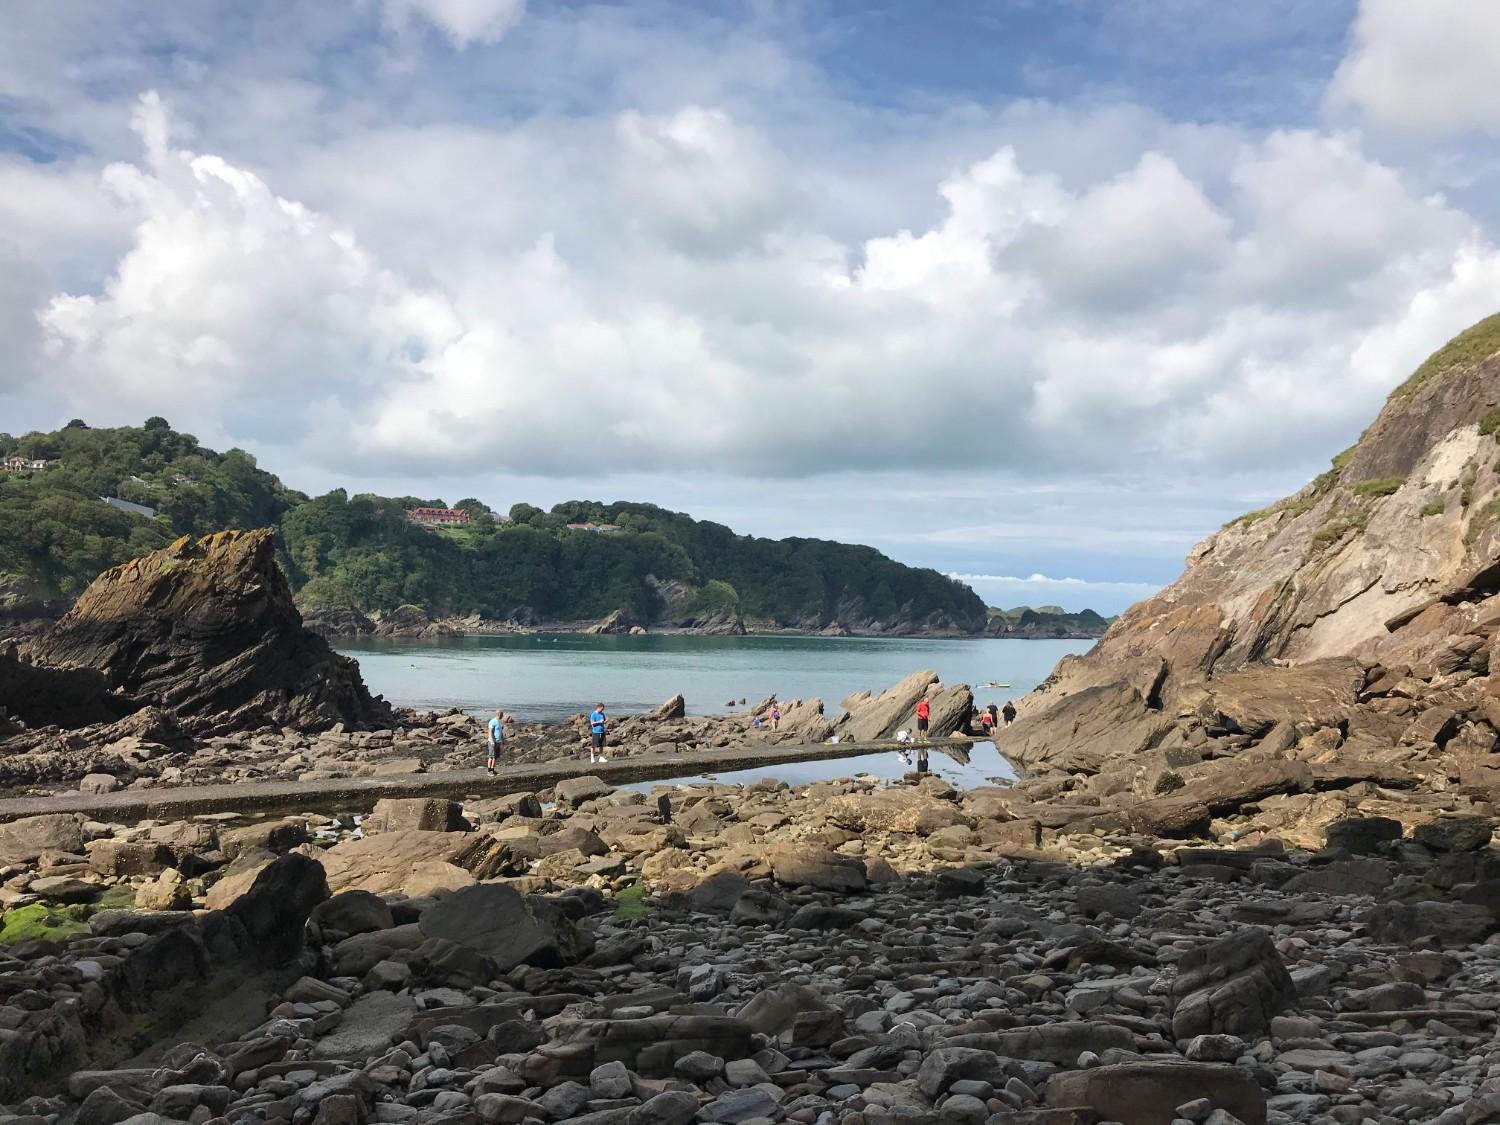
(463, 21)
(657, 292)
(1072, 594)
(232, 301)
(1131, 240)
(1043, 580)
(1426, 67)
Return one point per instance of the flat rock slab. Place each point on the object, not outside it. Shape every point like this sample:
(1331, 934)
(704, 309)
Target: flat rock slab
(367, 1026)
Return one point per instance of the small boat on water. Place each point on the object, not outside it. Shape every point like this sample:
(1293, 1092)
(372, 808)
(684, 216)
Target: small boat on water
(996, 683)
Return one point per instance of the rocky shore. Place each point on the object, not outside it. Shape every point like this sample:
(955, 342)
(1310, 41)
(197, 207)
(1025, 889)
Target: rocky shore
(847, 952)
(1248, 878)
(414, 623)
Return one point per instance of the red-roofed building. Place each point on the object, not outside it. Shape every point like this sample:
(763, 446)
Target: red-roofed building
(434, 516)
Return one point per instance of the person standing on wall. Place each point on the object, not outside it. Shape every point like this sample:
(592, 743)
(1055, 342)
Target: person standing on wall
(597, 723)
(495, 738)
(924, 712)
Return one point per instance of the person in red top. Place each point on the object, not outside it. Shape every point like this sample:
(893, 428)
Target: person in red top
(924, 710)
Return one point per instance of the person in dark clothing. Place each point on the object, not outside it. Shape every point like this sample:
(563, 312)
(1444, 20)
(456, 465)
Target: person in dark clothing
(994, 716)
(1009, 712)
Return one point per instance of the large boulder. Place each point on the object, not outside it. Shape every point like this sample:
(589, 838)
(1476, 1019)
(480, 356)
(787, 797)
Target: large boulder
(1362, 835)
(22, 841)
(354, 912)
(893, 810)
(1148, 1093)
(1455, 833)
(272, 915)
(207, 630)
(801, 866)
(424, 814)
(499, 923)
(1451, 924)
(1087, 729)
(409, 861)
(1234, 985)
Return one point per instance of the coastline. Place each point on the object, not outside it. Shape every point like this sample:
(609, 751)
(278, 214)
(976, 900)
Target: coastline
(456, 628)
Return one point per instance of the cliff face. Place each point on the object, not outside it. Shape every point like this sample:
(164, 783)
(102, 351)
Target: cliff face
(207, 630)
(1390, 558)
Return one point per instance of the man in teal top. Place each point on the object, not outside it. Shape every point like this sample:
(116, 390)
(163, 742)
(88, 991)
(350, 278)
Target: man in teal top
(596, 734)
(496, 739)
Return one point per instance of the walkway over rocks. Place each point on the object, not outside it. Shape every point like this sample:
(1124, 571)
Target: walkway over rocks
(356, 794)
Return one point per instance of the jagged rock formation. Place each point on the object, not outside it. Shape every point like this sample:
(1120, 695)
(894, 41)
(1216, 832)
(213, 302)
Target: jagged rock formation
(412, 621)
(207, 631)
(1348, 611)
(617, 622)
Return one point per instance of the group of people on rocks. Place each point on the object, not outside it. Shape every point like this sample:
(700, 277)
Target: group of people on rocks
(990, 719)
(495, 736)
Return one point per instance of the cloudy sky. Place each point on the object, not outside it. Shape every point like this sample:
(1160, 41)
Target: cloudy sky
(1034, 291)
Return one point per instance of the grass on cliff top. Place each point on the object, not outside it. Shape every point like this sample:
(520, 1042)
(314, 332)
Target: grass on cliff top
(1293, 506)
(1473, 344)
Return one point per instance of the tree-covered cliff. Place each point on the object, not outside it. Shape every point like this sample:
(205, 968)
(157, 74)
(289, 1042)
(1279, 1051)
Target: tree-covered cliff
(57, 533)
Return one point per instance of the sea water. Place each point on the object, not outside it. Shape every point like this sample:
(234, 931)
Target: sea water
(551, 676)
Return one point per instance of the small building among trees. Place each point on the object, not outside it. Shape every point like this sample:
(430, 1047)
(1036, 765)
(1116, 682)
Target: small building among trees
(437, 517)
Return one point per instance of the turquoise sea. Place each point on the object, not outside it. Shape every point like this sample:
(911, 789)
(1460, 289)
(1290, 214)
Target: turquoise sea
(551, 676)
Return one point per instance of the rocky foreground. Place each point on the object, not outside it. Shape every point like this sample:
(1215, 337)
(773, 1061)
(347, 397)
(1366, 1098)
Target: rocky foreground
(845, 952)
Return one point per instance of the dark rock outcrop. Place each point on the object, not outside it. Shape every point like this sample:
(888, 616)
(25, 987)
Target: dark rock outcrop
(617, 622)
(337, 621)
(207, 631)
(1233, 986)
(39, 696)
(412, 621)
(497, 922)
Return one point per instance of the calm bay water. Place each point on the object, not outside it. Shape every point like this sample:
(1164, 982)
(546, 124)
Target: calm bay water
(549, 677)
(965, 765)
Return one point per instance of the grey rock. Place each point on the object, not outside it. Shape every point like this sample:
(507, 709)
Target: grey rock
(1234, 985)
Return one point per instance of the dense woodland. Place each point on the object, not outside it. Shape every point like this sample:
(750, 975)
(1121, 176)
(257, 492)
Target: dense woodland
(359, 550)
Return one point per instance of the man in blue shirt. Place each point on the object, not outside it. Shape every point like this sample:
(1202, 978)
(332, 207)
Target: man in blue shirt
(596, 734)
(495, 738)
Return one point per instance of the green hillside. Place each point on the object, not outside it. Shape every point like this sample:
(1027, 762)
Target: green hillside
(56, 534)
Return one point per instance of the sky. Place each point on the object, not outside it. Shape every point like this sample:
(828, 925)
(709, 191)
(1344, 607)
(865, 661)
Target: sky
(1035, 292)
